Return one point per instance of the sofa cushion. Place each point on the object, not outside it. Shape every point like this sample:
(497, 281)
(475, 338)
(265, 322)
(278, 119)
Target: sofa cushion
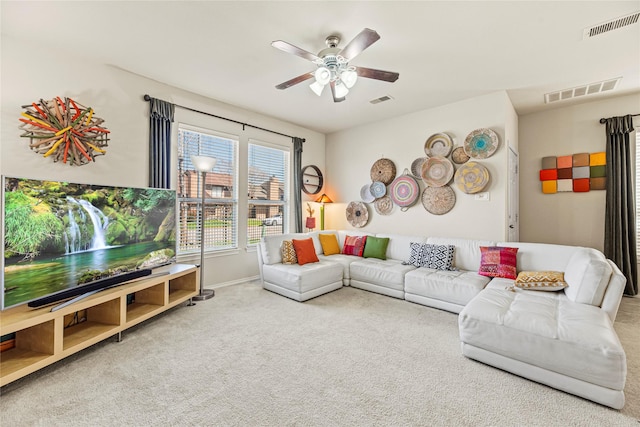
(457, 287)
(288, 253)
(547, 330)
(498, 261)
(376, 247)
(541, 280)
(587, 275)
(303, 278)
(388, 273)
(305, 251)
(344, 260)
(354, 245)
(329, 243)
(467, 254)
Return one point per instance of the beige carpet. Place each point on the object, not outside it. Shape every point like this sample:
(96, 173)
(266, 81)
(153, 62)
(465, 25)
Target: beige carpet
(349, 358)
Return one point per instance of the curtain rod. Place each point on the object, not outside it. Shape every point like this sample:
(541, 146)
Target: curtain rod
(602, 121)
(149, 98)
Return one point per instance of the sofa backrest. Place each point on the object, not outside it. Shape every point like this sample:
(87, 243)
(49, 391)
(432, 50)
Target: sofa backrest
(467, 254)
(399, 247)
(271, 246)
(541, 256)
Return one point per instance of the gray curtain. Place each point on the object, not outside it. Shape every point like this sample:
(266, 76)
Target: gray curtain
(160, 119)
(297, 181)
(620, 224)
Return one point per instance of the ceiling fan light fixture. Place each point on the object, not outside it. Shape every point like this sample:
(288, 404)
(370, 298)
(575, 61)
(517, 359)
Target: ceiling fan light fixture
(317, 88)
(341, 90)
(349, 77)
(322, 75)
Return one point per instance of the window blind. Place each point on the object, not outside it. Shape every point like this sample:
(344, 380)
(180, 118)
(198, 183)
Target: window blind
(268, 189)
(220, 191)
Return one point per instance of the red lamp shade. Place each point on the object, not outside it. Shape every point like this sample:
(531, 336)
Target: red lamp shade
(311, 222)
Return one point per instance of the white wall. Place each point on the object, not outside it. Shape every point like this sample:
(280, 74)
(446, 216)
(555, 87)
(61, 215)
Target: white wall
(117, 97)
(566, 218)
(351, 153)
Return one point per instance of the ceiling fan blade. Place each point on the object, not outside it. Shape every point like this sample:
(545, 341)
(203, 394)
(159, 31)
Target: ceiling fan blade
(359, 43)
(371, 73)
(295, 81)
(289, 48)
(333, 92)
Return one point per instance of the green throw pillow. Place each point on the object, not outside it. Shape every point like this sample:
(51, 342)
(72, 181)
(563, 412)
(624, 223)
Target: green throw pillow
(376, 247)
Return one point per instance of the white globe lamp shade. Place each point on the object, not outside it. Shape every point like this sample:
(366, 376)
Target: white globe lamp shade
(349, 78)
(317, 88)
(341, 90)
(322, 75)
(203, 163)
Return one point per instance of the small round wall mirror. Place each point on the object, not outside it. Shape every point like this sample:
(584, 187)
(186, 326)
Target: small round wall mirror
(312, 180)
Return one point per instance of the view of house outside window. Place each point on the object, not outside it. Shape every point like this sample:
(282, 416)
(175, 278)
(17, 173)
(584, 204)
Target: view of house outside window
(221, 199)
(268, 189)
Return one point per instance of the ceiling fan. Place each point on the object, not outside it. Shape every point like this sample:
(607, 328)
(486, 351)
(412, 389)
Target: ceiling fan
(333, 67)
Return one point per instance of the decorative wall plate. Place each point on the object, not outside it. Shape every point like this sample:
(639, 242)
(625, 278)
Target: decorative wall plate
(437, 171)
(365, 194)
(383, 170)
(378, 189)
(472, 177)
(481, 143)
(65, 130)
(438, 200)
(404, 191)
(438, 144)
(384, 205)
(357, 214)
(458, 156)
(416, 167)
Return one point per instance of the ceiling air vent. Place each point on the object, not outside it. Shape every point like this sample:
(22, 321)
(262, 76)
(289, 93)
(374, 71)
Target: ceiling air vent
(614, 24)
(381, 99)
(576, 92)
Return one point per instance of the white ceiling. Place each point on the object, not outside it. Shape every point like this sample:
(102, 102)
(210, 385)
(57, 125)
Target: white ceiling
(445, 51)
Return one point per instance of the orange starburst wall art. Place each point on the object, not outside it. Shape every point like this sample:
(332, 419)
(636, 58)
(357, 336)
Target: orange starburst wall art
(64, 130)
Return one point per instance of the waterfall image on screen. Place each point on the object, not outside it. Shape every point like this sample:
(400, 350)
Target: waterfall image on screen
(58, 235)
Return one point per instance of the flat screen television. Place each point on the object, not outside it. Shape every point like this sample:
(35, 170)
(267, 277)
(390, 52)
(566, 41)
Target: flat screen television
(59, 236)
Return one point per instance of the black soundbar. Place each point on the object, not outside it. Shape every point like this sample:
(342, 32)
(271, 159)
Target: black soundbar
(96, 285)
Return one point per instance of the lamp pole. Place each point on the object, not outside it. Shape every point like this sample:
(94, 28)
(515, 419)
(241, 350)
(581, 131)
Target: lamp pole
(203, 164)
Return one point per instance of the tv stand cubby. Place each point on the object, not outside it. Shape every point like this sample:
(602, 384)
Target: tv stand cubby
(43, 337)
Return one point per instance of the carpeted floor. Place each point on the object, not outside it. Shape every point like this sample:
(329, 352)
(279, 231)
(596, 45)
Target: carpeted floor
(249, 357)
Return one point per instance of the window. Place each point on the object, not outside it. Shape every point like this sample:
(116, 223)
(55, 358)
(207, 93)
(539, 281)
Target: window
(220, 191)
(268, 181)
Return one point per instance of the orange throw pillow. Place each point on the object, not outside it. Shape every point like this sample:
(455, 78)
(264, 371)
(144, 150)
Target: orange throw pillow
(305, 251)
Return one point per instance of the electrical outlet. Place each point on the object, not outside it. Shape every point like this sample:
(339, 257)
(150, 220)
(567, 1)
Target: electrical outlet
(483, 197)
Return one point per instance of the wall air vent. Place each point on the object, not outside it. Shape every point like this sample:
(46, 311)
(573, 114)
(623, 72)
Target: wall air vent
(576, 92)
(614, 24)
(381, 99)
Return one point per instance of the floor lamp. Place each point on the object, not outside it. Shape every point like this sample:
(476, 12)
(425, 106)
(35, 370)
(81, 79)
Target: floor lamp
(322, 200)
(203, 164)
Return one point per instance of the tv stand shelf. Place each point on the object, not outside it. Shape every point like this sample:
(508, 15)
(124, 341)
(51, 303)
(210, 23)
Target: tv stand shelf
(43, 337)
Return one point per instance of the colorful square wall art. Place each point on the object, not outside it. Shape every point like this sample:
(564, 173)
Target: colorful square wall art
(577, 173)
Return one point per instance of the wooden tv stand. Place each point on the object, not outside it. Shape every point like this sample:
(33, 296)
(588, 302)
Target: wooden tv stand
(43, 337)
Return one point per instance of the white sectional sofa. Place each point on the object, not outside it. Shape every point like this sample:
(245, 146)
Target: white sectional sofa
(564, 339)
